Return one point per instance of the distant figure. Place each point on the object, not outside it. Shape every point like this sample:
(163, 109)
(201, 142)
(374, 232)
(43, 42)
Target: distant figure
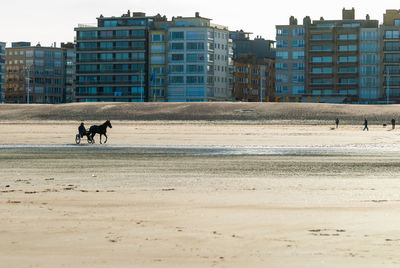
(365, 125)
(393, 123)
(82, 130)
(337, 122)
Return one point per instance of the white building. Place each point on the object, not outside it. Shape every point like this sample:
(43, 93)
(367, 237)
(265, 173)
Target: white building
(199, 60)
(2, 71)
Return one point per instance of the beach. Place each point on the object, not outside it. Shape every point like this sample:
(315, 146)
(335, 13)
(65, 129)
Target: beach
(199, 193)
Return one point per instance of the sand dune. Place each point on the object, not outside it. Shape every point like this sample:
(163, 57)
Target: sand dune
(299, 113)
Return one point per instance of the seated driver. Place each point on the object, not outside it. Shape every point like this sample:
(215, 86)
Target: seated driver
(82, 130)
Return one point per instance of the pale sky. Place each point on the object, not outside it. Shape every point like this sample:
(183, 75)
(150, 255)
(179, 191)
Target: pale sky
(48, 21)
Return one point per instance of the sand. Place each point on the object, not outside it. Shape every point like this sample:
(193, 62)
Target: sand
(199, 194)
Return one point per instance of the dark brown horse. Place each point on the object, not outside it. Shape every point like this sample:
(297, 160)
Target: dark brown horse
(102, 130)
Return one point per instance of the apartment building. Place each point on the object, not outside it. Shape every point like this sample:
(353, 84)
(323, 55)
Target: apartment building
(2, 71)
(335, 61)
(290, 62)
(69, 71)
(158, 65)
(34, 74)
(112, 59)
(254, 68)
(199, 61)
(390, 61)
(336, 53)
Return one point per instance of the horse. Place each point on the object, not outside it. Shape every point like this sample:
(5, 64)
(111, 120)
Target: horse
(102, 130)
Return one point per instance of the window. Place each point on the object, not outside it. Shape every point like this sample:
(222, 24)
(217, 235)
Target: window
(321, 37)
(87, 35)
(347, 70)
(369, 59)
(158, 70)
(369, 36)
(321, 70)
(298, 66)
(344, 59)
(369, 47)
(122, 56)
(298, 32)
(369, 82)
(391, 34)
(137, 90)
(325, 59)
(177, 46)
(195, 57)
(298, 78)
(282, 55)
(39, 53)
(137, 56)
(392, 57)
(195, 79)
(195, 46)
(106, 45)
(138, 33)
(195, 68)
(176, 68)
(392, 46)
(157, 48)
(121, 45)
(110, 23)
(122, 33)
(347, 48)
(323, 81)
(104, 56)
(281, 89)
(87, 68)
(138, 67)
(347, 37)
(396, 22)
(177, 35)
(298, 90)
(137, 45)
(29, 53)
(298, 55)
(298, 43)
(103, 67)
(88, 45)
(157, 38)
(195, 35)
(106, 34)
(157, 59)
(369, 70)
(282, 32)
(281, 78)
(177, 57)
(282, 44)
(321, 48)
(88, 57)
(348, 81)
(176, 80)
(157, 81)
(281, 66)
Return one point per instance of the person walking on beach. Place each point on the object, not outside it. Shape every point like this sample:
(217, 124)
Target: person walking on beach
(365, 125)
(393, 123)
(337, 122)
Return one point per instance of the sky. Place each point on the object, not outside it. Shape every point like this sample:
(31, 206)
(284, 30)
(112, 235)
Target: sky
(49, 21)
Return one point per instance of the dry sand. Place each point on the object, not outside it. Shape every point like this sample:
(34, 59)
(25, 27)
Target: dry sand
(199, 194)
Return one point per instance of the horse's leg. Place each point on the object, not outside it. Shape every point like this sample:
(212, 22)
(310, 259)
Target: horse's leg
(100, 138)
(106, 137)
(92, 136)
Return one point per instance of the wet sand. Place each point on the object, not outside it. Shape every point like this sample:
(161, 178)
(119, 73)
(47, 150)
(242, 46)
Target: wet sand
(199, 194)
